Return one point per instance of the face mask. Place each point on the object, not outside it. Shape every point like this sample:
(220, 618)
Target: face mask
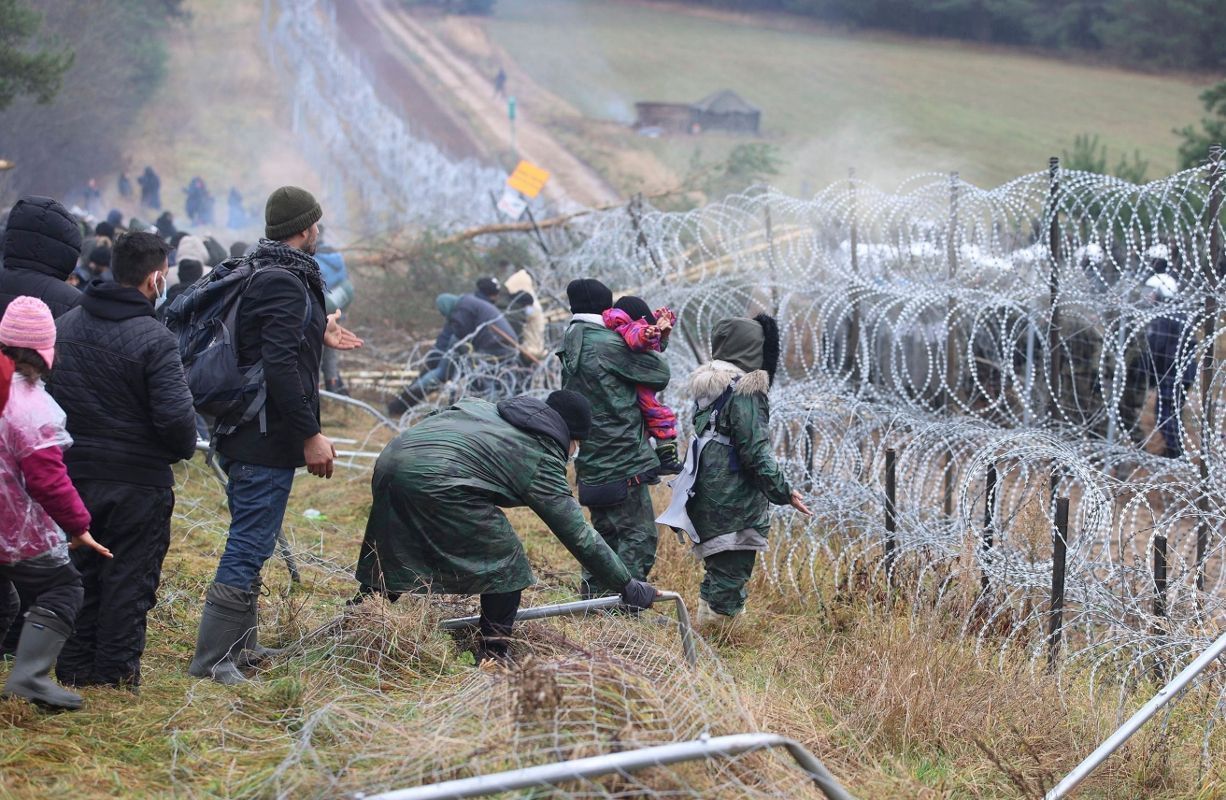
(161, 298)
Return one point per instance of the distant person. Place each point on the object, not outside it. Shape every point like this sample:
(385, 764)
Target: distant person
(239, 249)
(97, 267)
(150, 189)
(237, 215)
(500, 83)
(437, 525)
(191, 248)
(525, 315)
(130, 413)
(472, 322)
(125, 185)
(38, 507)
(1166, 336)
(42, 244)
(339, 298)
(166, 226)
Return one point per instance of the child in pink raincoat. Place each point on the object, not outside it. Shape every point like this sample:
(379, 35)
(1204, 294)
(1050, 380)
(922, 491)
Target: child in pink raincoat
(41, 514)
(644, 330)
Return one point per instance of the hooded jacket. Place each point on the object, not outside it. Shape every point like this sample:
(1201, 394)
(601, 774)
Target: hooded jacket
(476, 317)
(119, 379)
(436, 522)
(736, 482)
(597, 363)
(42, 243)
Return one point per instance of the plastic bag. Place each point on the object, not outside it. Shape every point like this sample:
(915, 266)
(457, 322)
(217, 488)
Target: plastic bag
(31, 421)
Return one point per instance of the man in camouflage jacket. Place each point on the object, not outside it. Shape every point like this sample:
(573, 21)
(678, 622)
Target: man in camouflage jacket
(436, 522)
(616, 464)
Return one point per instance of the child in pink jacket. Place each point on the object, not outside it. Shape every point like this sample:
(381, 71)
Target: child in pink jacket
(41, 514)
(643, 330)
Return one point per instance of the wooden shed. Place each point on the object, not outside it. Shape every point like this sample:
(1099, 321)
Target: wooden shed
(724, 110)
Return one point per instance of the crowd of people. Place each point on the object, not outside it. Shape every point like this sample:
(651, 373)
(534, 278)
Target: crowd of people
(100, 398)
(198, 201)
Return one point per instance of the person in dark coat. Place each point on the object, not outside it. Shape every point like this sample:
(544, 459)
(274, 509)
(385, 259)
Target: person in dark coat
(281, 324)
(125, 185)
(1167, 336)
(119, 378)
(42, 243)
(472, 321)
(436, 523)
(150, 189)
(166, 226)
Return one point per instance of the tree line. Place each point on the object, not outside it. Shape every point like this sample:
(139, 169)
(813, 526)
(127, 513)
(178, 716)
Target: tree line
(1166, 34)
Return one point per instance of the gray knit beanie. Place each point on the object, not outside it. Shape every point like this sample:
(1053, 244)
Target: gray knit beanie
(288, 211)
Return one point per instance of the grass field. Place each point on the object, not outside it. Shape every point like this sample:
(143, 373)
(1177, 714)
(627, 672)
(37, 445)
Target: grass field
(890, 108)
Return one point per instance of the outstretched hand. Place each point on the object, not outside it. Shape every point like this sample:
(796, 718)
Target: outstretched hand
(798, 503)
(339, 337)
(86, 540)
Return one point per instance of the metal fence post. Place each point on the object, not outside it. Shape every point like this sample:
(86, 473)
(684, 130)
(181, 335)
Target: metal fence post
(1053, 325)
(1217, 171)
(986, 537)
(1059, 563)
(891, 514)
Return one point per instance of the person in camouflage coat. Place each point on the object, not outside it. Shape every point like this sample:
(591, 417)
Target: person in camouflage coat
(436, 524)
(737, 477)
(616, 464)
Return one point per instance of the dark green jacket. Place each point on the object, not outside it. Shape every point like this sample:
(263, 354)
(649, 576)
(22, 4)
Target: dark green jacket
(732, 496)
(436, 523)
(597, 363)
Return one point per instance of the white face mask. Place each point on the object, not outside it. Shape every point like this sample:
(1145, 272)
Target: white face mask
(165, 290)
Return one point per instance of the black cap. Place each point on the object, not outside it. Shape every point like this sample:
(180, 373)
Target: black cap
(588, 296)
(190, 270)
(636, 308)
(575, 411)
(104, 228)
(489, 287)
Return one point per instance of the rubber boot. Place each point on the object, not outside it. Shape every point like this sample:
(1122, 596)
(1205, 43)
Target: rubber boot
(712, 623)
(223, 627)
(42, 638)
(252, 653)
(666, 451)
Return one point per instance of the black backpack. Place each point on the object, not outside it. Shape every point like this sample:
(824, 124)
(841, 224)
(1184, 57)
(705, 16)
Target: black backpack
(205, 319)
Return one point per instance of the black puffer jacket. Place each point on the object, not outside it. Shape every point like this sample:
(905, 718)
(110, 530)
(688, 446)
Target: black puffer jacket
(41, 246)
(281, 320)
(119, 379)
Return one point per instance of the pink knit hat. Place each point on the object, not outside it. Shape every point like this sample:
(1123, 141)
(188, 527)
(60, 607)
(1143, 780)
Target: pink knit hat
(28, 323)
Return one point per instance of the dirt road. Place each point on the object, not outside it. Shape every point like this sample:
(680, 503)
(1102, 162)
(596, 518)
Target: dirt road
(472, 92)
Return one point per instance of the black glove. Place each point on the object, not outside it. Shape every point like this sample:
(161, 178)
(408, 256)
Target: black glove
(638, 594)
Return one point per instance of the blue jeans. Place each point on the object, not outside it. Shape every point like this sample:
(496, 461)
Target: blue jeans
(257, 497)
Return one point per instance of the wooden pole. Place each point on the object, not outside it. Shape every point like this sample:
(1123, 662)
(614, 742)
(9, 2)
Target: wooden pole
(1059, 564)
(986, 537)
(891, 516)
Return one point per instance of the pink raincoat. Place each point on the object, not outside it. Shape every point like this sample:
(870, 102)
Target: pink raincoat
(31, 422)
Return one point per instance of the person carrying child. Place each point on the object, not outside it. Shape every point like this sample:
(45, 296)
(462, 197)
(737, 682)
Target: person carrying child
(38, 505)
(642, 331)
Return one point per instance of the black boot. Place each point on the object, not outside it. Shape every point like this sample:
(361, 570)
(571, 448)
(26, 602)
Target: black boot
(42, 638)
(336, 386)
(223, 627)
(666, 451)
(409, 396)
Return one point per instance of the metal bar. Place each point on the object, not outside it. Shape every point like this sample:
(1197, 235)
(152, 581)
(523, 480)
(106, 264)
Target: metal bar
(594, 766)
(367, 407)
(986, 538)
(1059, 563)
(582, 607)
(891, 513)
(1134, 723)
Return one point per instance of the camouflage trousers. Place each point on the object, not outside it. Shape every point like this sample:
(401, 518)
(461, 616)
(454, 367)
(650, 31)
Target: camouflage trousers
(630, 529)
(725, 578)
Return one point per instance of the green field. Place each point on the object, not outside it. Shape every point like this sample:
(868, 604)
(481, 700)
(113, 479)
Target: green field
(890, 108)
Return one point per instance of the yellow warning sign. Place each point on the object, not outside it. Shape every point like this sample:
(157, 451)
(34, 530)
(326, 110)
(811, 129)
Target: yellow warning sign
(528, 179)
